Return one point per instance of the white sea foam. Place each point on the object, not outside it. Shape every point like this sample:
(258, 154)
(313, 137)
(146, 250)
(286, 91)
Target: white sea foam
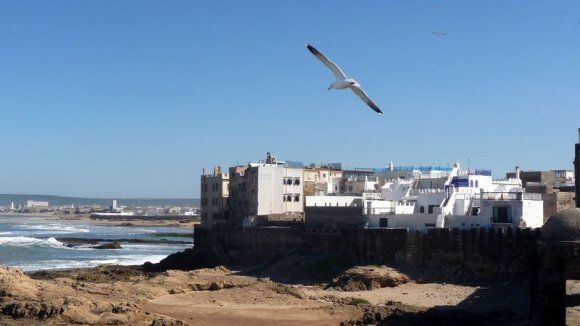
(55, 264)
(28, 241)
(141, 231)
(138, 247)
(68, 264)
(141, 259)
(54, 228)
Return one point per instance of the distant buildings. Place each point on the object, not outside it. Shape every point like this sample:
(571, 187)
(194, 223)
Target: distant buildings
(453, 198)
(214, 197)
(273, 192)
(555, 186)
(36, 204)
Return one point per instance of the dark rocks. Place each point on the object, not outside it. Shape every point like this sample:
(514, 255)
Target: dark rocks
(166, 321)
(110, 245)
(30, 309)
(368, 278)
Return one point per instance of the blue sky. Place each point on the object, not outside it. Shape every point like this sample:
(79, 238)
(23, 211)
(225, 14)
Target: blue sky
(134, 98)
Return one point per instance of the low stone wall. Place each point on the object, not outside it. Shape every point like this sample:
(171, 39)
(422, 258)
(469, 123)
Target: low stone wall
(480, 252)
(335, 217)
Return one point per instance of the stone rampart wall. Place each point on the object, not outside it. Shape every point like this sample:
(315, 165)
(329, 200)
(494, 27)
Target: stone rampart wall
(485, 253)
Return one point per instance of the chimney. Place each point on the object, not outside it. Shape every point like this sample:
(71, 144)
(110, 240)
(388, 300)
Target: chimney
(517, 172)
(391, 167)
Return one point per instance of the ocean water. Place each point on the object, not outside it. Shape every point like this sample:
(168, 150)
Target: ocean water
(31, 244)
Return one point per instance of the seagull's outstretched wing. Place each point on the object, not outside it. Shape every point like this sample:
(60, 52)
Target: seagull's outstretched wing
(363, 96)
(335, 69)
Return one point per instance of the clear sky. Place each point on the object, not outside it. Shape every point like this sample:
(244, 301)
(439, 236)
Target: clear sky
(134, 98)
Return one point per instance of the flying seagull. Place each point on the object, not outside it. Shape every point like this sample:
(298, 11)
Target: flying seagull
(342, 81)
(439, 33)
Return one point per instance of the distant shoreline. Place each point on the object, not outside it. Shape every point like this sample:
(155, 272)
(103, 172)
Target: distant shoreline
(21, 199)
(50, 217)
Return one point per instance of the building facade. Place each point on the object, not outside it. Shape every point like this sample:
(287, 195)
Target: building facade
(265, 190)
(36, 204)
(214, 198)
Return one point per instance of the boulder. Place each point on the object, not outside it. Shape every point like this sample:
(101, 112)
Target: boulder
(362, 278)
(110, 245)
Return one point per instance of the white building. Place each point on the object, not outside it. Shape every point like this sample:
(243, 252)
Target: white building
(266, 188)
(454, 199)
(36, 204)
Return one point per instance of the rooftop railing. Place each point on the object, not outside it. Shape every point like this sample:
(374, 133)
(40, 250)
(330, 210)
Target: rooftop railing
(510, 196)
(474, 172)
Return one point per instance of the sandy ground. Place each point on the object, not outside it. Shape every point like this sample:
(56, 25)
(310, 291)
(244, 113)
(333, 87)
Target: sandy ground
(260, 304)
(573, 305)
(321, 306)
(217, 296)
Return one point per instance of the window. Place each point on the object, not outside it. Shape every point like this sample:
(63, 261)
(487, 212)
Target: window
(431, 208)
(296, 197)
(422, 209)
(476, 184)
(289, 181)
(502, 214)
(288, 197)
(284, 198)
(296, 182)
(383, 222)
(471, 183)
(349, 188)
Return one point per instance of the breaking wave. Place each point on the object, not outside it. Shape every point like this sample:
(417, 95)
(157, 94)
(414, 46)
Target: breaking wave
(29, 242)
(53, 228)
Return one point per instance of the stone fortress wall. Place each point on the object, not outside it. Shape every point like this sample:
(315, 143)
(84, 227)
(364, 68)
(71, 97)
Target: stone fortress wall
(486, 253)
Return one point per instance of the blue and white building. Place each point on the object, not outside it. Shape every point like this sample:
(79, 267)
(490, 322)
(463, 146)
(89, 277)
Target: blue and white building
(424, 197)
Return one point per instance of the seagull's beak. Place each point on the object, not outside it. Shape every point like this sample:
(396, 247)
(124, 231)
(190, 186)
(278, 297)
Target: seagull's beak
(329, 87)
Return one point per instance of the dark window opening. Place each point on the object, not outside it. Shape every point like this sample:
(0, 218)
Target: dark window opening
(502, 214)
(430, 208)
(383, 222)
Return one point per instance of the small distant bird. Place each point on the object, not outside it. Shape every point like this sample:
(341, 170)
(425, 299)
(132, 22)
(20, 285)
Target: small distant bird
(439, 33)
(342, 81)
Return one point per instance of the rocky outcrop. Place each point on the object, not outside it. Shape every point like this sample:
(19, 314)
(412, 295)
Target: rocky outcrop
(110, 245)
(30, 309)
(368, 278)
